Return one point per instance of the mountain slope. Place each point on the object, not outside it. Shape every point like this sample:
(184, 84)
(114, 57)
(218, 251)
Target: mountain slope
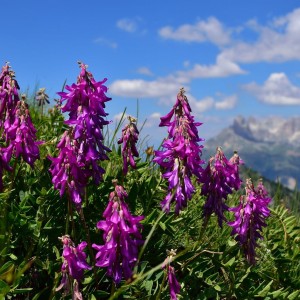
(270, 146)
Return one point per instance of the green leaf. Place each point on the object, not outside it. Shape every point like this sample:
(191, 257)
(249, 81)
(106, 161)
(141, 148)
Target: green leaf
(293, 295)
(101, 294)
(4, 288)
(162, 225)
(277, 293)
(265, 290)
(230, 262)
(217, 288)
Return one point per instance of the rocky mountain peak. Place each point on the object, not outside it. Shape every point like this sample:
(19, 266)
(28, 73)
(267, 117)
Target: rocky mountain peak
(271, 129)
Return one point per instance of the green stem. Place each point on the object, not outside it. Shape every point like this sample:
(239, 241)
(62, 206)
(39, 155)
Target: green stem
(149, 237)
(161, 286)
(88, 237)
(140, 277)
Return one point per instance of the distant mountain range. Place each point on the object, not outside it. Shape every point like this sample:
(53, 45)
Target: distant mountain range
(270, 146)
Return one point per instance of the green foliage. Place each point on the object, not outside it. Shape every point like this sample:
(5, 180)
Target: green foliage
(209, 263)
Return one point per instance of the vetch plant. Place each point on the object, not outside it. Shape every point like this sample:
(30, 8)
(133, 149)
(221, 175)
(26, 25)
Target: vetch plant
(219, 179)
(81, 147)
(74, 264)
(122, 237)
(174, 285)
(181, 156)
(250, 216)
(22, 135)
(130, 135)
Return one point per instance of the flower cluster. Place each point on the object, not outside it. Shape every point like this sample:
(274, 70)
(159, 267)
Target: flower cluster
(130, 135)
(219, 179)
(22, 135)
(172, 281)
(122, 237)
(15, 122)
(81, 147)
(41, 97)
(9, 96)
(250, 217)
(181, 157)
(74, 264)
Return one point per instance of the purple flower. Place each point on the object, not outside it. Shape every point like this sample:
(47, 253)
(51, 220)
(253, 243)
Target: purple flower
(15, 120)
(81, 147)
(172, 281)
(74, 264)
(181, 156)
(130, 135)
(219, 178)
(121, 237)
(9, 95)
(250, 217)
(67, 172)
(22, 135)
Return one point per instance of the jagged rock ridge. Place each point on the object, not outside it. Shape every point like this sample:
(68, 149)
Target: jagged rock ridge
(270, 146)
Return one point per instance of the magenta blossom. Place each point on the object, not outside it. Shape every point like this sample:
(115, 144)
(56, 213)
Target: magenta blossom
(74, 264)
(250, 217)
(172, 281)
(181, 156)
(15, 122)
(22, 135)
(81, 147)
(130, 135)
(121, 237)
(220, 178)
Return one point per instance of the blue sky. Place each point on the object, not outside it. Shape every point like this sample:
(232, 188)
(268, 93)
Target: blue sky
(232, 57)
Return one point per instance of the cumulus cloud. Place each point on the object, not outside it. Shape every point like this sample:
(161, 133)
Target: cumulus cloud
(227, 103)
(222, 68)
(106, 42)
(200, 106)
(277, 42)
(153, 120)
(120, 116)
(139, 88)
(168, 86)
(276, 90)
(204, 30)
(144, 71)
(127, 25)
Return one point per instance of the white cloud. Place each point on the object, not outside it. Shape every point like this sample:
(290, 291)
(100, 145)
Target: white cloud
(222, 68)
(205, 30)
(144, 71)
(199, 106)
(105, 42)
(228, 102)
(127, 25)
(169, 85)
(138, 88)
(276, 90)
(153, 120)
(118, 117)
(278, 42)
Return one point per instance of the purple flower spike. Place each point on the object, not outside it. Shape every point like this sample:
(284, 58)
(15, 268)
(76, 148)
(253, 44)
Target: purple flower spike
(22, 134)
(220, 178)
(81, 148)
(172, 281)
(9, 95)
(18, 130)
(73, 266)
(121, 235)
(250, 217)
(130, 135)
(181, 157)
